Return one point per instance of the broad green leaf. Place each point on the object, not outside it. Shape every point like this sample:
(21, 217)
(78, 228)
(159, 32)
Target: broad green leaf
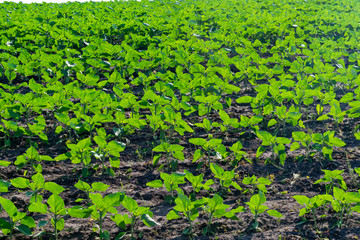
(79, 212)
(24, 229)
(54, 188)
(8, 206)
(172, 215)
(148, 221)
(99, 186)
(82, 186)
(244, 99)
(56, 204)
(198, 141)
(20, 182)
(274, 213)
(155, 184)
(4, 163)
(38, 207)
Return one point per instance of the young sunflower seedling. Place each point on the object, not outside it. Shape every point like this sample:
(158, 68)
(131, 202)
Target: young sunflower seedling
(136, 213)
(344, 203)
(276, 145)
(32, 157)
(17, 220)
(312, 204)
(171, 183)
(225, 178)
(37, 186)
(259, 183)
(257, 207)
(187, 208)
(57, 210)
(331, 178)
(216, 208)
(197, 183)
(101, 206)
(96, 186)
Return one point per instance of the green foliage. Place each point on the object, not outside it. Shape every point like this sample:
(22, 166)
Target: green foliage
(96, 186)
(32, 157)
(215, 208)
(171, 150)
(312, 204)
(331, 178)
(197, 183)
(207, 146)
(56, 209)
(276, 145)
(81, 153)
(344, 203)
(102, 77)
(226, 178)
(136, 213)
(187, 209)
(326, 142)
(17, 220)
(259, 183)
(257, 207)
(101, 206)
(37, 186)
(110, 150)
(171, 183)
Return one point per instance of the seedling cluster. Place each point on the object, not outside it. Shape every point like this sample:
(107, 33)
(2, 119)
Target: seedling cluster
(216, 111)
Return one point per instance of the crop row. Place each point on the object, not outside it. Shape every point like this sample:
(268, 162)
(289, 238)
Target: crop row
(100, 207)
(212, 83)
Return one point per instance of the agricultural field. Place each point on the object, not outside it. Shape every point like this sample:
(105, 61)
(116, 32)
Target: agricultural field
(233, 119)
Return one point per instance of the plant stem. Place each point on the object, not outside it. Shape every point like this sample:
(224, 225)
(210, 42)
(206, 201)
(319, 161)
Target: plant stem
(133, 220)
(190, 222)
(314, 216)
(209, 223)
(55, 225)
(100, 223)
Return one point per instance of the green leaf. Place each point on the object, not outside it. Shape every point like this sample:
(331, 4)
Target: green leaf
(217, 170)
(4, 185)
(323, 117)
(56, 204)
(283, 140)
(82, 186)
(197, 141)
(182, 203)
(172, 215)
(260, 151)
(337, 142)
(79, 212)
(130, 204)
(148, 221)
(265, 136)
(294, 146)
(357, 135)
(59, 225)
(244, 99)
(24, 229)
(9, 207)
(197, 155)
(99, 186)
(274, 213)
(155, 184)
(20, 182)
(272, 122)
(38, 207)
(28, 221)
(54, 188)
(4, 163)
(4, 224)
